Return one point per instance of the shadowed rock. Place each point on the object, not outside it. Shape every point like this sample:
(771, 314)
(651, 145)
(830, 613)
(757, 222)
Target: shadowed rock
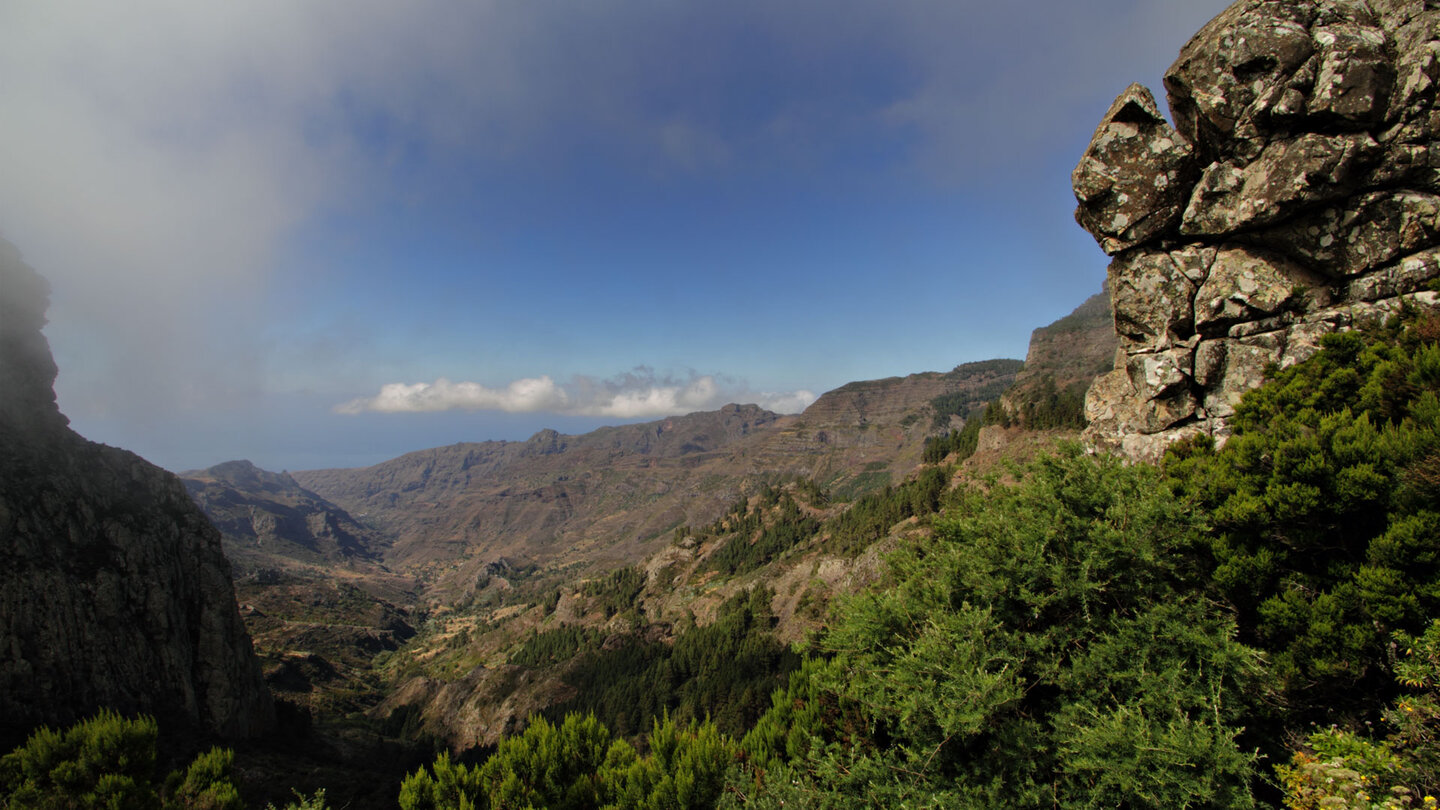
(113, 589)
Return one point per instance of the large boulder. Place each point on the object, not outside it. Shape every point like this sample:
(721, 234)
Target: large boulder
(1297, 194)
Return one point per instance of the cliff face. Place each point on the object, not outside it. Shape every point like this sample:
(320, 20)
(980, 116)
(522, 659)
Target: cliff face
(1064, 358)
(113, 589)
(1297, 194)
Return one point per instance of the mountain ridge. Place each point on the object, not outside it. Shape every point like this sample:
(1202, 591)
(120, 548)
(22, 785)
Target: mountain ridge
(614, 493)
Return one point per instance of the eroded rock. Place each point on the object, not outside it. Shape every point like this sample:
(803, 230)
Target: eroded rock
(1318, 208)
(1287, 176)
(1132, 183)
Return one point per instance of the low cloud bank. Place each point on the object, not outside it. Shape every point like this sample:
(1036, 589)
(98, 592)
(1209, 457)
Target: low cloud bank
(635, 395)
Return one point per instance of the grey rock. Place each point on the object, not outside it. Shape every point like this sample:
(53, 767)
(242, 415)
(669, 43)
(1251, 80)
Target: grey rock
(1235, 70)
(1153, 297)
(1367, 232)
(1354, 77)
(1245, 285)
(1133, 181)
(1287, 176)
(1318, 209)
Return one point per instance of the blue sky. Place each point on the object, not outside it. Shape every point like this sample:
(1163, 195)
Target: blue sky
(323, 234)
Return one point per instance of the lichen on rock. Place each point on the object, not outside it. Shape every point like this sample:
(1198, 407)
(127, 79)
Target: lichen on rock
(1306, 147)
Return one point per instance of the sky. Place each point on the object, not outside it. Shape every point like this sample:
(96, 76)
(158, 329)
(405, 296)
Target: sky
(322, 234)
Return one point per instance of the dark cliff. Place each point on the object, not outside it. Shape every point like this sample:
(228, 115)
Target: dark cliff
(113, 589)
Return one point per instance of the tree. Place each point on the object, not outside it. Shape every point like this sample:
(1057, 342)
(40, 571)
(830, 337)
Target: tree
(577, 765)
(1051, 645)
(108, 761)
(1322, 510)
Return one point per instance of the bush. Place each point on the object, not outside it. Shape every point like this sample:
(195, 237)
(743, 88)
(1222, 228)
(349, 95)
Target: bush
(1322, 512)
(1050, 646)
(577, 765)
(108, 761)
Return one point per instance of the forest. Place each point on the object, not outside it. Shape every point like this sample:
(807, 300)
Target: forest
(1238, 626)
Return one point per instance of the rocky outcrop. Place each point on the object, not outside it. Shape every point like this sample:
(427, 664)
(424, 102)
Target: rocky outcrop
(113, 589)
(1297, 194)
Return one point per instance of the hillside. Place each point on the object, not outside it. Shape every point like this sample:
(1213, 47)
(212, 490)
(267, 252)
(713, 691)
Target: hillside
(1064, 358)
(878, 603)
(406, 603)
(615, 495)
(263, 516)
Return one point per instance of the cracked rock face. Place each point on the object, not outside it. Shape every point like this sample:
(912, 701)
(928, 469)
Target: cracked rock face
(1297, 194)
(113, 589)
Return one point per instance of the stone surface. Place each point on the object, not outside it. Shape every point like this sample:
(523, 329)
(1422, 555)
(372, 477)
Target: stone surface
(113, 589)
(1316, 209)
(1287, 176)
(1133, 180)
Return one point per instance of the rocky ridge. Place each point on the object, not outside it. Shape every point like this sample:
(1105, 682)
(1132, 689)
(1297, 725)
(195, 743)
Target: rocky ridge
(266, 518)
(616, 494)
(113, 588)
(1064, 357)
(1297, 194)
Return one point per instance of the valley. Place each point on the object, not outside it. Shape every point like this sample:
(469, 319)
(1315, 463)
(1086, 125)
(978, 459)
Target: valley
(1185, 554)
(402, 589)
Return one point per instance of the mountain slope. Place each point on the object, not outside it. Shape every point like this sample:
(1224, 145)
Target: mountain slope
(263, 516)
(1064, 358)
(615, 494)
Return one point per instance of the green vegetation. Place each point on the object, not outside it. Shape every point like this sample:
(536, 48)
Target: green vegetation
(1324, 512)
(303, 802)
(109, 761)
(725, 670)
(1046, 407)
(760, 536)
(961, 443)
(555, 646)
(870, 518)
(1338, 767)
(618, 591)
(577, 764)
(1048, 646)
(1258, 623)
(755, 531)
(963, 403)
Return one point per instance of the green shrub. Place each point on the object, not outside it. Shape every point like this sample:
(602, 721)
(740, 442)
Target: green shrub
(1324, 511)
(108, 761)
(1051, 645)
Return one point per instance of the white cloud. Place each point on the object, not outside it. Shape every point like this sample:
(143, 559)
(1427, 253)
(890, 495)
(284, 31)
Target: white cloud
(520, 396)
(636, 395)
(791, 402)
